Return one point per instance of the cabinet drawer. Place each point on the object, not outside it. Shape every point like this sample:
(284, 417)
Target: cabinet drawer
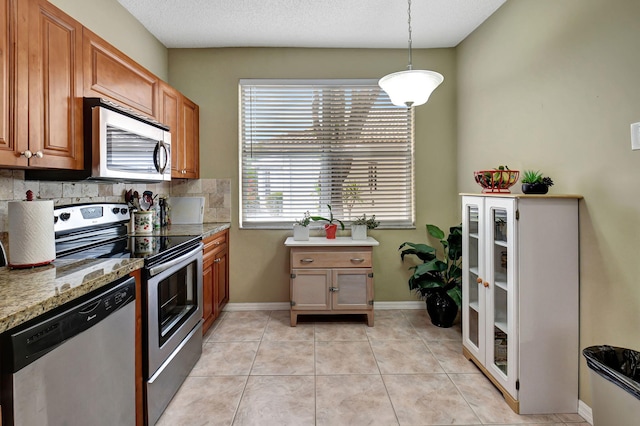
(331, 259)
(215, 241)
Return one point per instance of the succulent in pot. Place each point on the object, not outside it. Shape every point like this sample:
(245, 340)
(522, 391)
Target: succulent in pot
(301, 227)
(533, 182)
(330, 227)
(360, 225)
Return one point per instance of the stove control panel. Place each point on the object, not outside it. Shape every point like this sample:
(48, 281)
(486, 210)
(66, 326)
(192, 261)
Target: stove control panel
(72, 217)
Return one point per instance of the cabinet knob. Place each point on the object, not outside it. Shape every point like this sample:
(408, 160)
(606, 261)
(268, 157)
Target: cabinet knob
(306, 260)
(479, 280)
(334, 289)
(39, 154)
(486, 284)
(26, 154)
(217, 260)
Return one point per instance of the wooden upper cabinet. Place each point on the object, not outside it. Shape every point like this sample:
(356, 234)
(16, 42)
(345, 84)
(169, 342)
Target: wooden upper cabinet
(182, 117)
(5, 140)
(45, 88)
(190, 135)
(109, 73)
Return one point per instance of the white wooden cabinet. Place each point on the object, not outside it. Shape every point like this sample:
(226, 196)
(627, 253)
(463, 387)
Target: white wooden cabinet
(331, 276)
(520, 297)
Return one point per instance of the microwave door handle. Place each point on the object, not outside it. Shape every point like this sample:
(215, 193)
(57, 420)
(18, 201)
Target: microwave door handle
(156, 157)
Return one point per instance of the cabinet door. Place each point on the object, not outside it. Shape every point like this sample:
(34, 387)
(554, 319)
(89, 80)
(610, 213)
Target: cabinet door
(221, 280)
(352, 289)
(473, 290)
(190, 139)
(6, 148)
(310, 289)
(207, 291)
(501, 292)
(110, 73)
(169, 113)
(55, 86)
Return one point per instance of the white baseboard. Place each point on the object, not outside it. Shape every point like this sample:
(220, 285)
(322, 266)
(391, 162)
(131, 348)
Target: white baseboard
(399, 305)
(274, 306)
(284, 306)
(585, 412)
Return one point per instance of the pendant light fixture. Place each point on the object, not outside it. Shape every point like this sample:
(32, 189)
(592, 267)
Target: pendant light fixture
(412, 87)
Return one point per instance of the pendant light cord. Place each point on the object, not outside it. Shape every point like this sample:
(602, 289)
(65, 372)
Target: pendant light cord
(410, 67)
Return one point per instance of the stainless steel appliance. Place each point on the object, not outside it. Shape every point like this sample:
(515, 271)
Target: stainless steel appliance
(126, 145)
(76, 364)
(174, 324)
(119, 144)
(172, 289)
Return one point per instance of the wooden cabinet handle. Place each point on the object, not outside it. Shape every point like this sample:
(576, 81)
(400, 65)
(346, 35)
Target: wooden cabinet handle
(479, 280)
(357, 259)
(306, 260)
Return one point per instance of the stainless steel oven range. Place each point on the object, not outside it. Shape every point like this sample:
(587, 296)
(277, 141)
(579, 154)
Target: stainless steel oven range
(172, 290)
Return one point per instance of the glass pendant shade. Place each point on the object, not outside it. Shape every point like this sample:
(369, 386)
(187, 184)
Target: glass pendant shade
(410, 88)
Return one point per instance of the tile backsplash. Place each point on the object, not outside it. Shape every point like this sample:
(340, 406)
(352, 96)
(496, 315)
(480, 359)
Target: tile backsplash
(13, 186)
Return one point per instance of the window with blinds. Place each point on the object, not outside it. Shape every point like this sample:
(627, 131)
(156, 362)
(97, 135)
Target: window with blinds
(306, 144)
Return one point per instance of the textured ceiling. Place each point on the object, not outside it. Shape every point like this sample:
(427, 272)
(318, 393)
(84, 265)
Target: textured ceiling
(310, 23)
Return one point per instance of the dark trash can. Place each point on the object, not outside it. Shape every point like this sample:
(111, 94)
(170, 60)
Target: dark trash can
(615, 385)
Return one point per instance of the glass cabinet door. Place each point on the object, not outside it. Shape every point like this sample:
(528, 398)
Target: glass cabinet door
(473, 284)
(500, 327)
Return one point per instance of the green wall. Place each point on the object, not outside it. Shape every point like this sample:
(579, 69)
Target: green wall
(554, 85)
(258, 259)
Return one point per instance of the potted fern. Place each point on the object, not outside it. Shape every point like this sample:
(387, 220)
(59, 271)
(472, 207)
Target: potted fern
(438, 281)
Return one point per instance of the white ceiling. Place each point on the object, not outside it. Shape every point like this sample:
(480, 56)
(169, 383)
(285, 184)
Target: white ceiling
(310, 23)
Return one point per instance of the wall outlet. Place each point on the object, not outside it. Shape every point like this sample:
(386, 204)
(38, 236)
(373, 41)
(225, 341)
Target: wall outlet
(635, 136)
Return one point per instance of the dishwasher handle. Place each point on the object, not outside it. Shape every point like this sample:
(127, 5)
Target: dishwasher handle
(34, 340)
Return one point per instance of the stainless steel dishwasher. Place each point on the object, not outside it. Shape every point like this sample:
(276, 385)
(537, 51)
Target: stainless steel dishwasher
(76, 366)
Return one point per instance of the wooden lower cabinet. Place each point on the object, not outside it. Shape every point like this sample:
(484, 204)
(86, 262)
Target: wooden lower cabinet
(215, 277)
(331, 277)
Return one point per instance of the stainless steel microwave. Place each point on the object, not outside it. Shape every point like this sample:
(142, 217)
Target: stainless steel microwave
(125, 145)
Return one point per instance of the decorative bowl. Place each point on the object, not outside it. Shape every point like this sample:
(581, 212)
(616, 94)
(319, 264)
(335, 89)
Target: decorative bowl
(496, 180)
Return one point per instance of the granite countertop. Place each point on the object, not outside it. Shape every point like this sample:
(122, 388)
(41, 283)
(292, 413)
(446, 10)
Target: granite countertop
(27, 293)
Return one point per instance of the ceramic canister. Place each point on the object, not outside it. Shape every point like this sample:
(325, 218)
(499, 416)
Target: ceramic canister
(143, 222)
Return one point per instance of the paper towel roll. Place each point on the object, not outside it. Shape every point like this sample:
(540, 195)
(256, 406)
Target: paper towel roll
(31, 234)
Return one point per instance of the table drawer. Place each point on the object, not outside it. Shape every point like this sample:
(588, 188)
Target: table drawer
(331, 259)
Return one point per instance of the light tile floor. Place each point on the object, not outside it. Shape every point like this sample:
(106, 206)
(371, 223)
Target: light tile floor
(257, 370)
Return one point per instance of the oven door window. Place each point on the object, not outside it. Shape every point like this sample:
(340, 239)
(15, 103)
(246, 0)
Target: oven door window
(177, 299)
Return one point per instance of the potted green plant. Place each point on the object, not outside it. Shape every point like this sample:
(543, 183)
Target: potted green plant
(438, 281)
(533, 182)
(330, 227)
(360, 225)
(301, 228)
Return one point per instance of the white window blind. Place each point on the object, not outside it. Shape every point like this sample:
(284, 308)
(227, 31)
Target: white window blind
(306, 144)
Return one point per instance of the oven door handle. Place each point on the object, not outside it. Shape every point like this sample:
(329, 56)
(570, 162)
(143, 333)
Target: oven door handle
(173, 262)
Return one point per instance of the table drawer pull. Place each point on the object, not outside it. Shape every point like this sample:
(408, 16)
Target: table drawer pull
(357, 259)
(306, 260)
